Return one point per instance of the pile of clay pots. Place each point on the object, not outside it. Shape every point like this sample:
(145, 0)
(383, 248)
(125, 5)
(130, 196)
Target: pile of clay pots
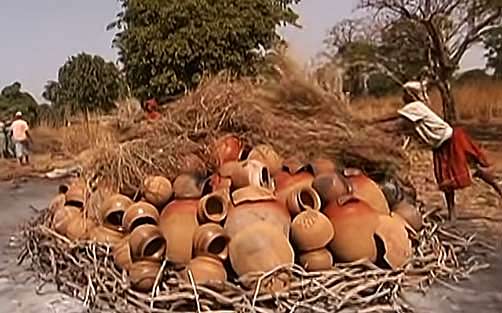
(257, 212)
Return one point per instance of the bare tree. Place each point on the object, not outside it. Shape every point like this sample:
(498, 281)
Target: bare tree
(452, 27)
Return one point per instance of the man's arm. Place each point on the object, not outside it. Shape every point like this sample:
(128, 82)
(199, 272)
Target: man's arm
(387, 118)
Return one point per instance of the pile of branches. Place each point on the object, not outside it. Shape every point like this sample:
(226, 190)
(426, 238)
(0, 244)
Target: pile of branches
(286, 110)
(86, 270)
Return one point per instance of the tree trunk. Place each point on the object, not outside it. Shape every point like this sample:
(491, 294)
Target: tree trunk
(449, 109)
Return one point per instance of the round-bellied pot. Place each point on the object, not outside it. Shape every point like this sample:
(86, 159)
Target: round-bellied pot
(147, 243)
(316, 260)
(157, 190)
(59, 200)
(105, 235)
(63, 217)
(410, 214)
(251, 173)
(225, 149)
(293, 176)
(142, 275)
(113, 209)
(213, 208)
(367, 190)
(138, 214)
(322, 166)
(205, 269)
(311, 230)
(396, 244)
(302, 199)
(330, 187)
(122, 254)
(191, 186)
(210, 239)
(79, 228)
(75, 196)
(268, 156)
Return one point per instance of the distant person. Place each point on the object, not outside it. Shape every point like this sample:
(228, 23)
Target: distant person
(151, 108)
(454, 151)
(21, 138)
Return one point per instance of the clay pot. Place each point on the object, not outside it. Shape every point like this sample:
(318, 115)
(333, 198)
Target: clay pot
(303, 199)
(410, 214)
(122, 254)
(251, 173)
(293, 176)
(311, 230)
(218, 182)
(392, 192)
(191, 186)
(79, 228)
(354, 222)
(138, 214)
(254, 204)
(205, 269)
(178, 223)
(225, 149)
(259, 247)
(142, 275)
(75, 196)
(214, 207)
(63, 217)
(147, 243)
(295, 166)
(330, 187)
(210, 239)
(395, 240)
(157, 190)
(316, 260)
(113, 209)
(105, 235)
(57, 203)
(267, 156)
(322, 166)
(367, 190)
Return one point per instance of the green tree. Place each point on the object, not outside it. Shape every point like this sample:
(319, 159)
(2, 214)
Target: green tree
(493, 45)
(86, 83)
(166, 46)
(12, 99)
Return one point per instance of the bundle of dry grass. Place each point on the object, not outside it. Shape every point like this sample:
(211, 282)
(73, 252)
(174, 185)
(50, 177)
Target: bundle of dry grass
(287, 110)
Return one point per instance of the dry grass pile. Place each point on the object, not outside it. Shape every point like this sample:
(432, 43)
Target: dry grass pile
(288, 111)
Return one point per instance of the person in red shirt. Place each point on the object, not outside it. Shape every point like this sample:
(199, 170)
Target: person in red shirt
(151, 107)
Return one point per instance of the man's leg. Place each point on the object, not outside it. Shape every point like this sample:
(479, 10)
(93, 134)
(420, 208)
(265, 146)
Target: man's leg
(485, 175)
(450, 203)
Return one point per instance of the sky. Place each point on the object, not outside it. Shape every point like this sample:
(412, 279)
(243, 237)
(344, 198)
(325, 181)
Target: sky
(38, 36)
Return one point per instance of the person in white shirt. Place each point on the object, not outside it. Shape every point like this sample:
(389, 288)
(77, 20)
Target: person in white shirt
(455, 153)
(21, 138)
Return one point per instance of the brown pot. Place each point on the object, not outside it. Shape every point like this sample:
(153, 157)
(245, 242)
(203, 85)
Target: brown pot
(105, 235)
(219, 182)
(225, 149)
(311, 230)
(251, 173)
(294, 166)
(322, 167)
(331, 187)
(205, 269)
(191, 186)
(79, 228)
(147, 243)
(316, 260)
(113, 209)
(354, 222)
(410, 214)
(138, 214)
(75, 196)
(178, 223)
(214, 207)
(210, 239)
(394, 236)
(142, 275)
(367, 190)
(293, 176)
(63, 217)
(57, 203)
(254, 204)
(122, 254)
(303, 199)
(157, 190)
(259, 247)
(267, 156)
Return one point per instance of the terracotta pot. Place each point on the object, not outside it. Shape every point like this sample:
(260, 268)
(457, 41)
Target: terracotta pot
(303, 199)
(295, 166)
(178, 223)
(316, 260)
(259, 247)
(331, 187)
(251, 173)
(214, 207)
(226, 148)
(254, 204)
(392, 192)
(79, 228)
(210, 239)
(267, 156)
(322, 167)
(57, 203)
(191, 186)
(367, 190)
(157, 190)
(122, 254)
(147, 243)
(205, 269)
(138, 214)
(311, 230)
(75, 196)
(410, 214)
(218, 182)
(104, 235)
(142, 275)
(394, 236)
(63, 217)
(294, 176)
(354, 222)
(113, 209)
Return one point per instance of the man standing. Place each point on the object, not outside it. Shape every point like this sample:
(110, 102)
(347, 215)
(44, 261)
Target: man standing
(21, 138)
(454, 152)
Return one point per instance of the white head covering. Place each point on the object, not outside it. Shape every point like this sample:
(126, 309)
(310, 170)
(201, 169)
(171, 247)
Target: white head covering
(19, 113)
(418, 89)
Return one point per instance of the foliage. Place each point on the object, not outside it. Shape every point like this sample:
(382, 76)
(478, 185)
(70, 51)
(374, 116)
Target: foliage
(493, 45)
(86, 83)
(167, 46)
(12, 99)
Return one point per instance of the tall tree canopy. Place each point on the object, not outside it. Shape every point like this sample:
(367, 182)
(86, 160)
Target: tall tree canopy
(12, 99)
(493, 45)
(86, 82)
(166, 46)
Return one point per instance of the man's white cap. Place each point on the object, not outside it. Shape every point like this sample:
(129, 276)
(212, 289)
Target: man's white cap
(414, 86)
(19, 113)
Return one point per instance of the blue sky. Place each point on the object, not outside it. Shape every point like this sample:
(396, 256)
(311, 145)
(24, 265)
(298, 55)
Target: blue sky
(39, 35)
